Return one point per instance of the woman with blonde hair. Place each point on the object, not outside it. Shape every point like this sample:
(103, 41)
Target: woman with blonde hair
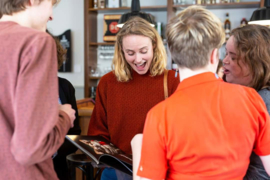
(135, 85)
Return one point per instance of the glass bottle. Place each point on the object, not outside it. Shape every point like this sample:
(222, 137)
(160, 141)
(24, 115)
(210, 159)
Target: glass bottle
(227, 27)
(124, 3)
(243, 22)
(95, 4)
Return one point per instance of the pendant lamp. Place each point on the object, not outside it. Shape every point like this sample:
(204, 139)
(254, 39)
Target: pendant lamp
(135, 11)
(261, 16)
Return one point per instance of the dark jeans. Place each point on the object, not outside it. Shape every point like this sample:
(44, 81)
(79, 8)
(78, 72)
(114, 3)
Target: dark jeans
(112, 174)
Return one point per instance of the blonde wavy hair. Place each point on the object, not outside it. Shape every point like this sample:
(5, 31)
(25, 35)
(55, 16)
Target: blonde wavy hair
(192, 35)
(138, 26)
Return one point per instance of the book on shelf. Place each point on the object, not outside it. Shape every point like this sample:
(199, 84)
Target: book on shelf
(101, 151)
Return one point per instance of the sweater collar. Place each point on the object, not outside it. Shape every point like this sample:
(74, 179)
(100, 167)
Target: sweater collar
(198, 79)
(134, 73)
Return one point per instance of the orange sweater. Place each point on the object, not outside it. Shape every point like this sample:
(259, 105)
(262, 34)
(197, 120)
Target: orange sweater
(121, 107)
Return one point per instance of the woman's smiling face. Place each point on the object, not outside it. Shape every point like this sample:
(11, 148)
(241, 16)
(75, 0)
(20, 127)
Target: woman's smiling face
(138, 52)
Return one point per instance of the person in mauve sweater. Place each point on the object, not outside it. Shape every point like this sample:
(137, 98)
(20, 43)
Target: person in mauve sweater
(125, 95)
(32, 123)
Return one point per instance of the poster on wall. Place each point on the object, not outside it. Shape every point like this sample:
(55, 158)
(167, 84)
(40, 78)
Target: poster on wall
(65, 41)
(110, 28)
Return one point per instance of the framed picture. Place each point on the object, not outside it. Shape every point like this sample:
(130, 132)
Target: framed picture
(110, 28)
(65, 40)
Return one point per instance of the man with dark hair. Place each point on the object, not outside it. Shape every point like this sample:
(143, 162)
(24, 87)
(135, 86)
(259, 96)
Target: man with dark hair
(32, 124)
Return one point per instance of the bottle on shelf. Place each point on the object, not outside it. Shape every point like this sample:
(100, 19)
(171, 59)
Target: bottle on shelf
(159, 29)
(101, 3)
(95, 4)
(243, 22)
(123, 3)
(208, 1)
(227, 27)
(198, 2)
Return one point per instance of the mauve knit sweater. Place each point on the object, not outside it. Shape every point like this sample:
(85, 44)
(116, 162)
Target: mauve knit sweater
(31, 129)
(121, 107)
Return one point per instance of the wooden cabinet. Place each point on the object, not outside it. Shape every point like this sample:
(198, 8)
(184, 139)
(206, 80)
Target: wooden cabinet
(91, 29)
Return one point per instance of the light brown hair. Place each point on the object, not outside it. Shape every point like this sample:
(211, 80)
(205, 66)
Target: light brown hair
(252, 44)
(192, 35)
(9, 7)
(138, 26)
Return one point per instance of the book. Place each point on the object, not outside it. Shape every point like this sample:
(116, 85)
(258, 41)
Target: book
(101, 151)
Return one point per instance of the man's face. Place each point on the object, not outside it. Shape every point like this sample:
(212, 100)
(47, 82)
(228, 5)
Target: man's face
(41, 13)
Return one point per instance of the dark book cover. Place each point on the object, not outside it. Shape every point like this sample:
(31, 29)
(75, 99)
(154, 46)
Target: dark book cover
(101, 151)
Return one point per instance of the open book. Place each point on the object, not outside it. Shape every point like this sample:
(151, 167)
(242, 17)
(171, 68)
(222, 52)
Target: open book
(101, 151)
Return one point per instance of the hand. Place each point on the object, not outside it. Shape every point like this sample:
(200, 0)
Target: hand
(70, 112)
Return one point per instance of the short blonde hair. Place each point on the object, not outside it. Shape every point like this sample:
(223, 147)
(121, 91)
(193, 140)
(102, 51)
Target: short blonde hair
(138, 26)
(192, 35)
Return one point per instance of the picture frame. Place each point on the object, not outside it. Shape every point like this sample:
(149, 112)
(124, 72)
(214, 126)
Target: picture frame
(65, 41)
(110, 27)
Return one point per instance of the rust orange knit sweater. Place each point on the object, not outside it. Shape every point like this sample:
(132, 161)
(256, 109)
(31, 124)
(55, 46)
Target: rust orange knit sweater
(121, 107)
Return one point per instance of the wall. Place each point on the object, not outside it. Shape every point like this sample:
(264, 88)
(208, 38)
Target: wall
(69, 14)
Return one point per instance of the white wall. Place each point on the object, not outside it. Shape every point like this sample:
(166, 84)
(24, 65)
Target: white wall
(69, 14)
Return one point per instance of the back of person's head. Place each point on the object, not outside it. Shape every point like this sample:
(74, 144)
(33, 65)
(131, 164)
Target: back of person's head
(8, 7)
(252, 43)
(192, 35)
(138, 26)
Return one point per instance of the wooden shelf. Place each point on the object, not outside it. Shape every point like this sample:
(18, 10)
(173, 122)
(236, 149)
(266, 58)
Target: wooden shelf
(94, 77)
(121, 9)
(91, 19)
(224, 5)
(101, 43)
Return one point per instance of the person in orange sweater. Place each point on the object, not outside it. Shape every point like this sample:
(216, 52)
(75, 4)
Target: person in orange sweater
(208, 128)
(125, 95)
